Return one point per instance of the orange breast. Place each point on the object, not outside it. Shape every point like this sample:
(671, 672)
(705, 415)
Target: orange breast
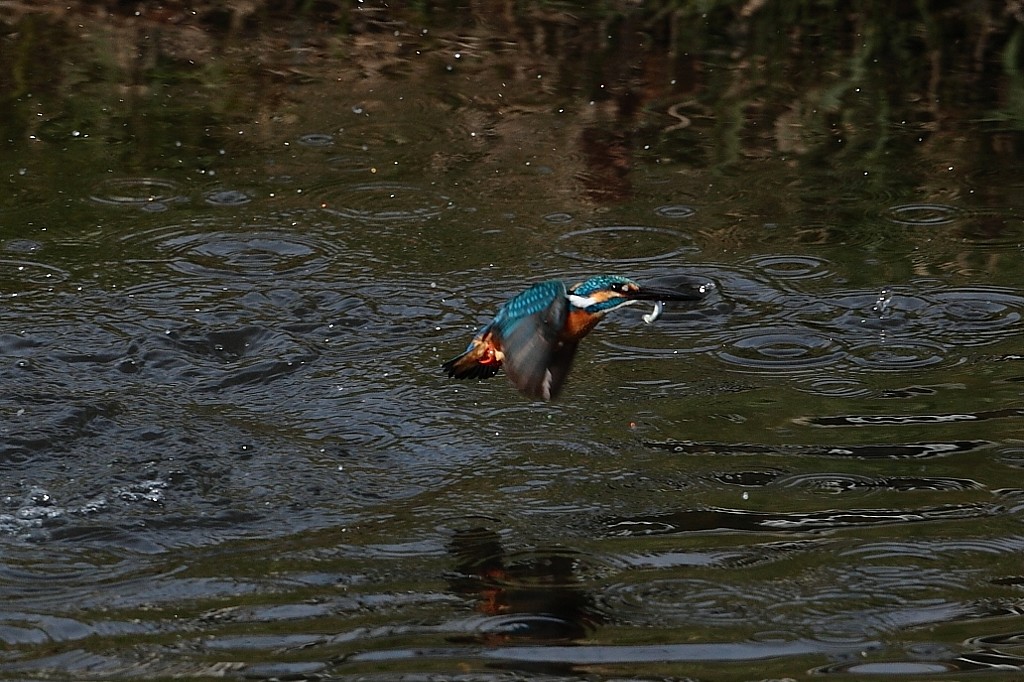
(579, 324)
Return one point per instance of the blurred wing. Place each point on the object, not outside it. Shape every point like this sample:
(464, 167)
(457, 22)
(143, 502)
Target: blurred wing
(528, 329)
(480, 360)
(557, 371)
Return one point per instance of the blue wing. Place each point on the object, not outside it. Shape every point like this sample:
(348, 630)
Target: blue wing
(536, 300)
(529, 328)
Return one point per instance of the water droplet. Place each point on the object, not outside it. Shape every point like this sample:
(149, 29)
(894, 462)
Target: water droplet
(882, 304)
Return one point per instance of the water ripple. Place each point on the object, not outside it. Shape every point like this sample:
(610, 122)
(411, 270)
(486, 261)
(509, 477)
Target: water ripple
(976, 315)
(781, 349)
(908, 419)
(258, 254)
(236, 357)
(978, 661)
(675, 211)
(791, 267)
(149, 194)
(557, 566)
(559, 218)
(991, 230)
(384, 202)
(19, 277)
(827, 233)
(925, 450)
(579, 655)
(911, 327)
(624, 244)
(833, 386)
(255, 251)
(784, 605)
(316, 140)
(924, 214)
(900, 354)
(843, 482)
(22, 246)
(227, 197)
(935, 549)
(698, 520)
(668, 601)
(384, 135)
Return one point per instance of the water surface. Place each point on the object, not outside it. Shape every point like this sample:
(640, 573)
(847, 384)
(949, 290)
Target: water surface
(235, 251)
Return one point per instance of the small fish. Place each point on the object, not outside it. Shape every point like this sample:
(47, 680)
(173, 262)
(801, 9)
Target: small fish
(650, 317)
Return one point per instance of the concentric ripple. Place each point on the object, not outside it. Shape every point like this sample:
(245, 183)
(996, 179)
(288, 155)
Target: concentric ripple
(559, 217)
(928, 322)
(899, 354)
(781, 348)
(265, 250)
(148, 194)
(791, 266)
(227, 197)
(316, 140)
(826, 482)
(19, 276)
(676, 211)
(382, 202)
(928, 215)
(844, 482)
(21, 246)
(976, 314)
(833, 386)
(624, 244)
(255, 254)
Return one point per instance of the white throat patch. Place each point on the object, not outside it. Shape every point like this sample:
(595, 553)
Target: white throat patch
(581, 301)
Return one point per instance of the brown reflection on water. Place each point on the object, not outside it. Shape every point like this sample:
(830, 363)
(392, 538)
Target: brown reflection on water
(628, 82)
(532, 597)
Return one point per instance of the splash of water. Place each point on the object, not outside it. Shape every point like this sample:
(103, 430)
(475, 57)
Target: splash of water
(881, 305)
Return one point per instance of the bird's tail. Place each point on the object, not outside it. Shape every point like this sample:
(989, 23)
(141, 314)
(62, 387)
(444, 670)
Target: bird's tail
(480, 360)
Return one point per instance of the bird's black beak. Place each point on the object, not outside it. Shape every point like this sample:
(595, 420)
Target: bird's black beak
(653, 293)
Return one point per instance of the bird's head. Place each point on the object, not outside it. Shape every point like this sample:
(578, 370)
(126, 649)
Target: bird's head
(602, 294)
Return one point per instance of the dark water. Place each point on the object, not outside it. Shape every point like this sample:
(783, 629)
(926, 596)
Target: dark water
(232, 261)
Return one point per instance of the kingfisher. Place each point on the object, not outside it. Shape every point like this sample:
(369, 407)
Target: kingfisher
(535, 334)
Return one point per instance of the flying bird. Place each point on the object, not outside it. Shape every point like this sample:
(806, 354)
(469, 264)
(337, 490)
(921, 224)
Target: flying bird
(534, 336)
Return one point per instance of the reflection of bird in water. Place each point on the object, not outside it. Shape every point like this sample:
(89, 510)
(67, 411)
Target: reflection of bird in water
(534, 599)
(535, 334)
